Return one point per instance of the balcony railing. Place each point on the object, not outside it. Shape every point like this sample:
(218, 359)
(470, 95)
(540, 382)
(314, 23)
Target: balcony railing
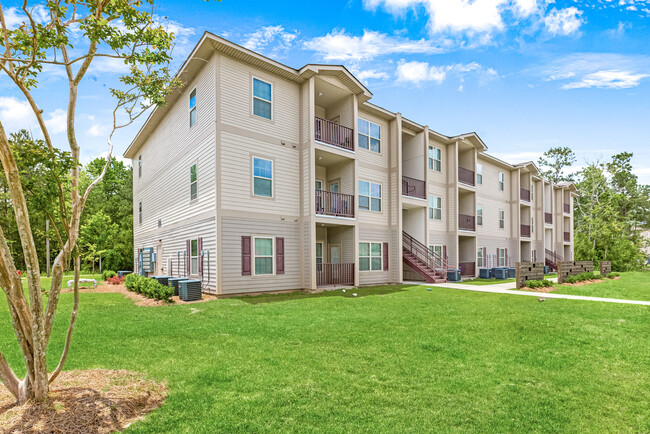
(525, 195)
(334, 204)
(334, 134)
(567, 237)
(413, 187)
(465, 176)
(467, 268)
(334, 274)
(548, 218)
(466, 222)
(567, 208)
(525, 231)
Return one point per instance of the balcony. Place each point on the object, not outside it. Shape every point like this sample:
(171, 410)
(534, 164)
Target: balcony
(334, 274)
(525, 231)
(465, 176)
(466, 222)
(334, 204)
(567, 237)
(548, 218)
(567, 208)
(525, 195)
(467, 268)
(334, 134)
(413, 187)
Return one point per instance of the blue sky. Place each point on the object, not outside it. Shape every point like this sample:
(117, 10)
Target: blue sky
(524, 74)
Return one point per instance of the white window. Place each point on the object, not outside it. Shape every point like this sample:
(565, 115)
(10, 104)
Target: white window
(193, 108)
(140, 166)
(479, 258)
(194, 257)
(437, 253)
(502, 257)
(435, 159)
(435, 207)
(262, 177)
(502, 219)
(194, 182)
(140, 212)
(319, 184)
(262, 99)
(369, 135)
(479, 173)
(319, 252)
(501, 181)
(479, 215)
(369, 196)
(263, 254)
(370, 257)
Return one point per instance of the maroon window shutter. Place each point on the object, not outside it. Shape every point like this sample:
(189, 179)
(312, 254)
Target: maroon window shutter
(506, 257)
(485, 264)
(444, 254)
(279, 255)
(200, 246)
(245, 256)
(497, 261)
(188, 250)
(385, 256)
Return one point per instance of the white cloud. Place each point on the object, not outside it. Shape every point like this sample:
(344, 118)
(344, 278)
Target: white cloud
(275, 36)
(15, 114)
(607, 79)
(563, 21)
(339, 46)
(415, 72)
(57, 123)
(371, 74)
(14, 17)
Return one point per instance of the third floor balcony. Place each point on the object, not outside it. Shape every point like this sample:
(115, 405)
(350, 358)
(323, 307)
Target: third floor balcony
(525, 194)
(465, 176)
(413, 187)
(466, 222)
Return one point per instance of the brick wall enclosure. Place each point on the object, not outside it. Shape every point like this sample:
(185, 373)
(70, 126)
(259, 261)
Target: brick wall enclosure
(572, 268)
(605, 268)
(529, 271)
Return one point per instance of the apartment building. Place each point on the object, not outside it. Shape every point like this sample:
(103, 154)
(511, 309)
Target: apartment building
(260, 177)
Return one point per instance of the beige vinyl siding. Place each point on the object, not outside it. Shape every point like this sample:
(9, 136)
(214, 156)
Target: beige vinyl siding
(445, 175)
(491, 243)
(440, 191)
(232, 229)
(236, 101)
(367, 234)
(377, 177)
(343, 235)
(367, 156)
(442, 238)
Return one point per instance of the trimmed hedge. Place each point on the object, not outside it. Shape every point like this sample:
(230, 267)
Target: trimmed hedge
(150, 288)
(583, 276)
(613, 275)
(107, 274)
(539, 283)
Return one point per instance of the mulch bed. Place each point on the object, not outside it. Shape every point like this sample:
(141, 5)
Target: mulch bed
(584, 282)
(92, 401)
(545, 289)
(138, 299)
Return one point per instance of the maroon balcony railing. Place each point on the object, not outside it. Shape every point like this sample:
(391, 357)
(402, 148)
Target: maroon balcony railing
(334, 134)
(413, 187)
(334, 274)
(567, 237)
(525, 231)
(424, 254)
(466, 222)
(548, 217)
(525, 195)
(567, 208)
(467, 268)
(334, 204)
(465, 176)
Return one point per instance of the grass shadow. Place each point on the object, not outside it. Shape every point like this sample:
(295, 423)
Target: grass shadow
(345, 293)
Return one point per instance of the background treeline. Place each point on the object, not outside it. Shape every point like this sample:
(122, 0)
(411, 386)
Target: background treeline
(611, 211)
(106, 223)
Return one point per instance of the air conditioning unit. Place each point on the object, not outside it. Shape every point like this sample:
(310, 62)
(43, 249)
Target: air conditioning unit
(174, 282)
(190, 290)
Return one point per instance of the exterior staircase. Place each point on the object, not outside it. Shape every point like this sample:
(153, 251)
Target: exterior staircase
(551, 259)
(427, 264)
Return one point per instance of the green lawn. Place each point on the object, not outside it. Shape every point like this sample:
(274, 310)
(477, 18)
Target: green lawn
(393, 359)
(478, 281)
(631, 286)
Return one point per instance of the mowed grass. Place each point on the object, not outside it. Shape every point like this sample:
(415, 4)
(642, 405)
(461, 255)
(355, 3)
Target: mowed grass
(479, 281)
(631, 286)
(392, 359)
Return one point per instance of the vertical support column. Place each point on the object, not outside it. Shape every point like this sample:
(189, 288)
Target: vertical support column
(307, 220)
(217, 127)
(454, 260)
(396, 220)
(516, 201)
(355, 188)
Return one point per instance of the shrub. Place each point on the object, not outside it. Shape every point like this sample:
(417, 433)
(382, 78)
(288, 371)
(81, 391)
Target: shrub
(539, 283)
(150, 288)
(613, 275)
(571, 279)
(130, 281)
(115, 280)
(107, 274)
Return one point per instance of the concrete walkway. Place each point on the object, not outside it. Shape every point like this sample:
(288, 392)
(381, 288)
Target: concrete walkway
(509, 288)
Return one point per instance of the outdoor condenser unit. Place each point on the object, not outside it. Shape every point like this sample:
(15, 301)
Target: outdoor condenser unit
(174, 283)
(190, 290)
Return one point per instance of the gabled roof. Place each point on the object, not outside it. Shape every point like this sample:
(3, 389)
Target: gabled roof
(473, 139)
(529, 166)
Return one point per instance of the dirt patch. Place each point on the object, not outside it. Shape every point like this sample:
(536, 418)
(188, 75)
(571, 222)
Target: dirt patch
(545, 289)
(583, 283)
(138, 299)
(92, 401)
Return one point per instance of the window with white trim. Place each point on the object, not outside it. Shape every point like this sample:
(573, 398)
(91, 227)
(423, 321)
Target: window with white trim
(140, 166)
(140, 212)
(194, 182)
(369, 196)
(369, 135)
(437, 253)
(502, 182)
(193, 108)
(194, 257)
(370, 257)
(479, 173)
(263, 255)
(435, 208)
(502, 257)
(479, 215)
(502, 219)
(319, 184)
(435, 159)
(262, 99)
(262, 177)
(479, 258)
(319, 252)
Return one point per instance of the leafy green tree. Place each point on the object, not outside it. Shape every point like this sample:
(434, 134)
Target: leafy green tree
(555, 162)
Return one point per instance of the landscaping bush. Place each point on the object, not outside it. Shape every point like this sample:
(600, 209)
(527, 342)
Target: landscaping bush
(539, 283)
(150, 288)
(115, 280)
(107, 274)
(130, 281)
(590, 275)
(613, 275)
